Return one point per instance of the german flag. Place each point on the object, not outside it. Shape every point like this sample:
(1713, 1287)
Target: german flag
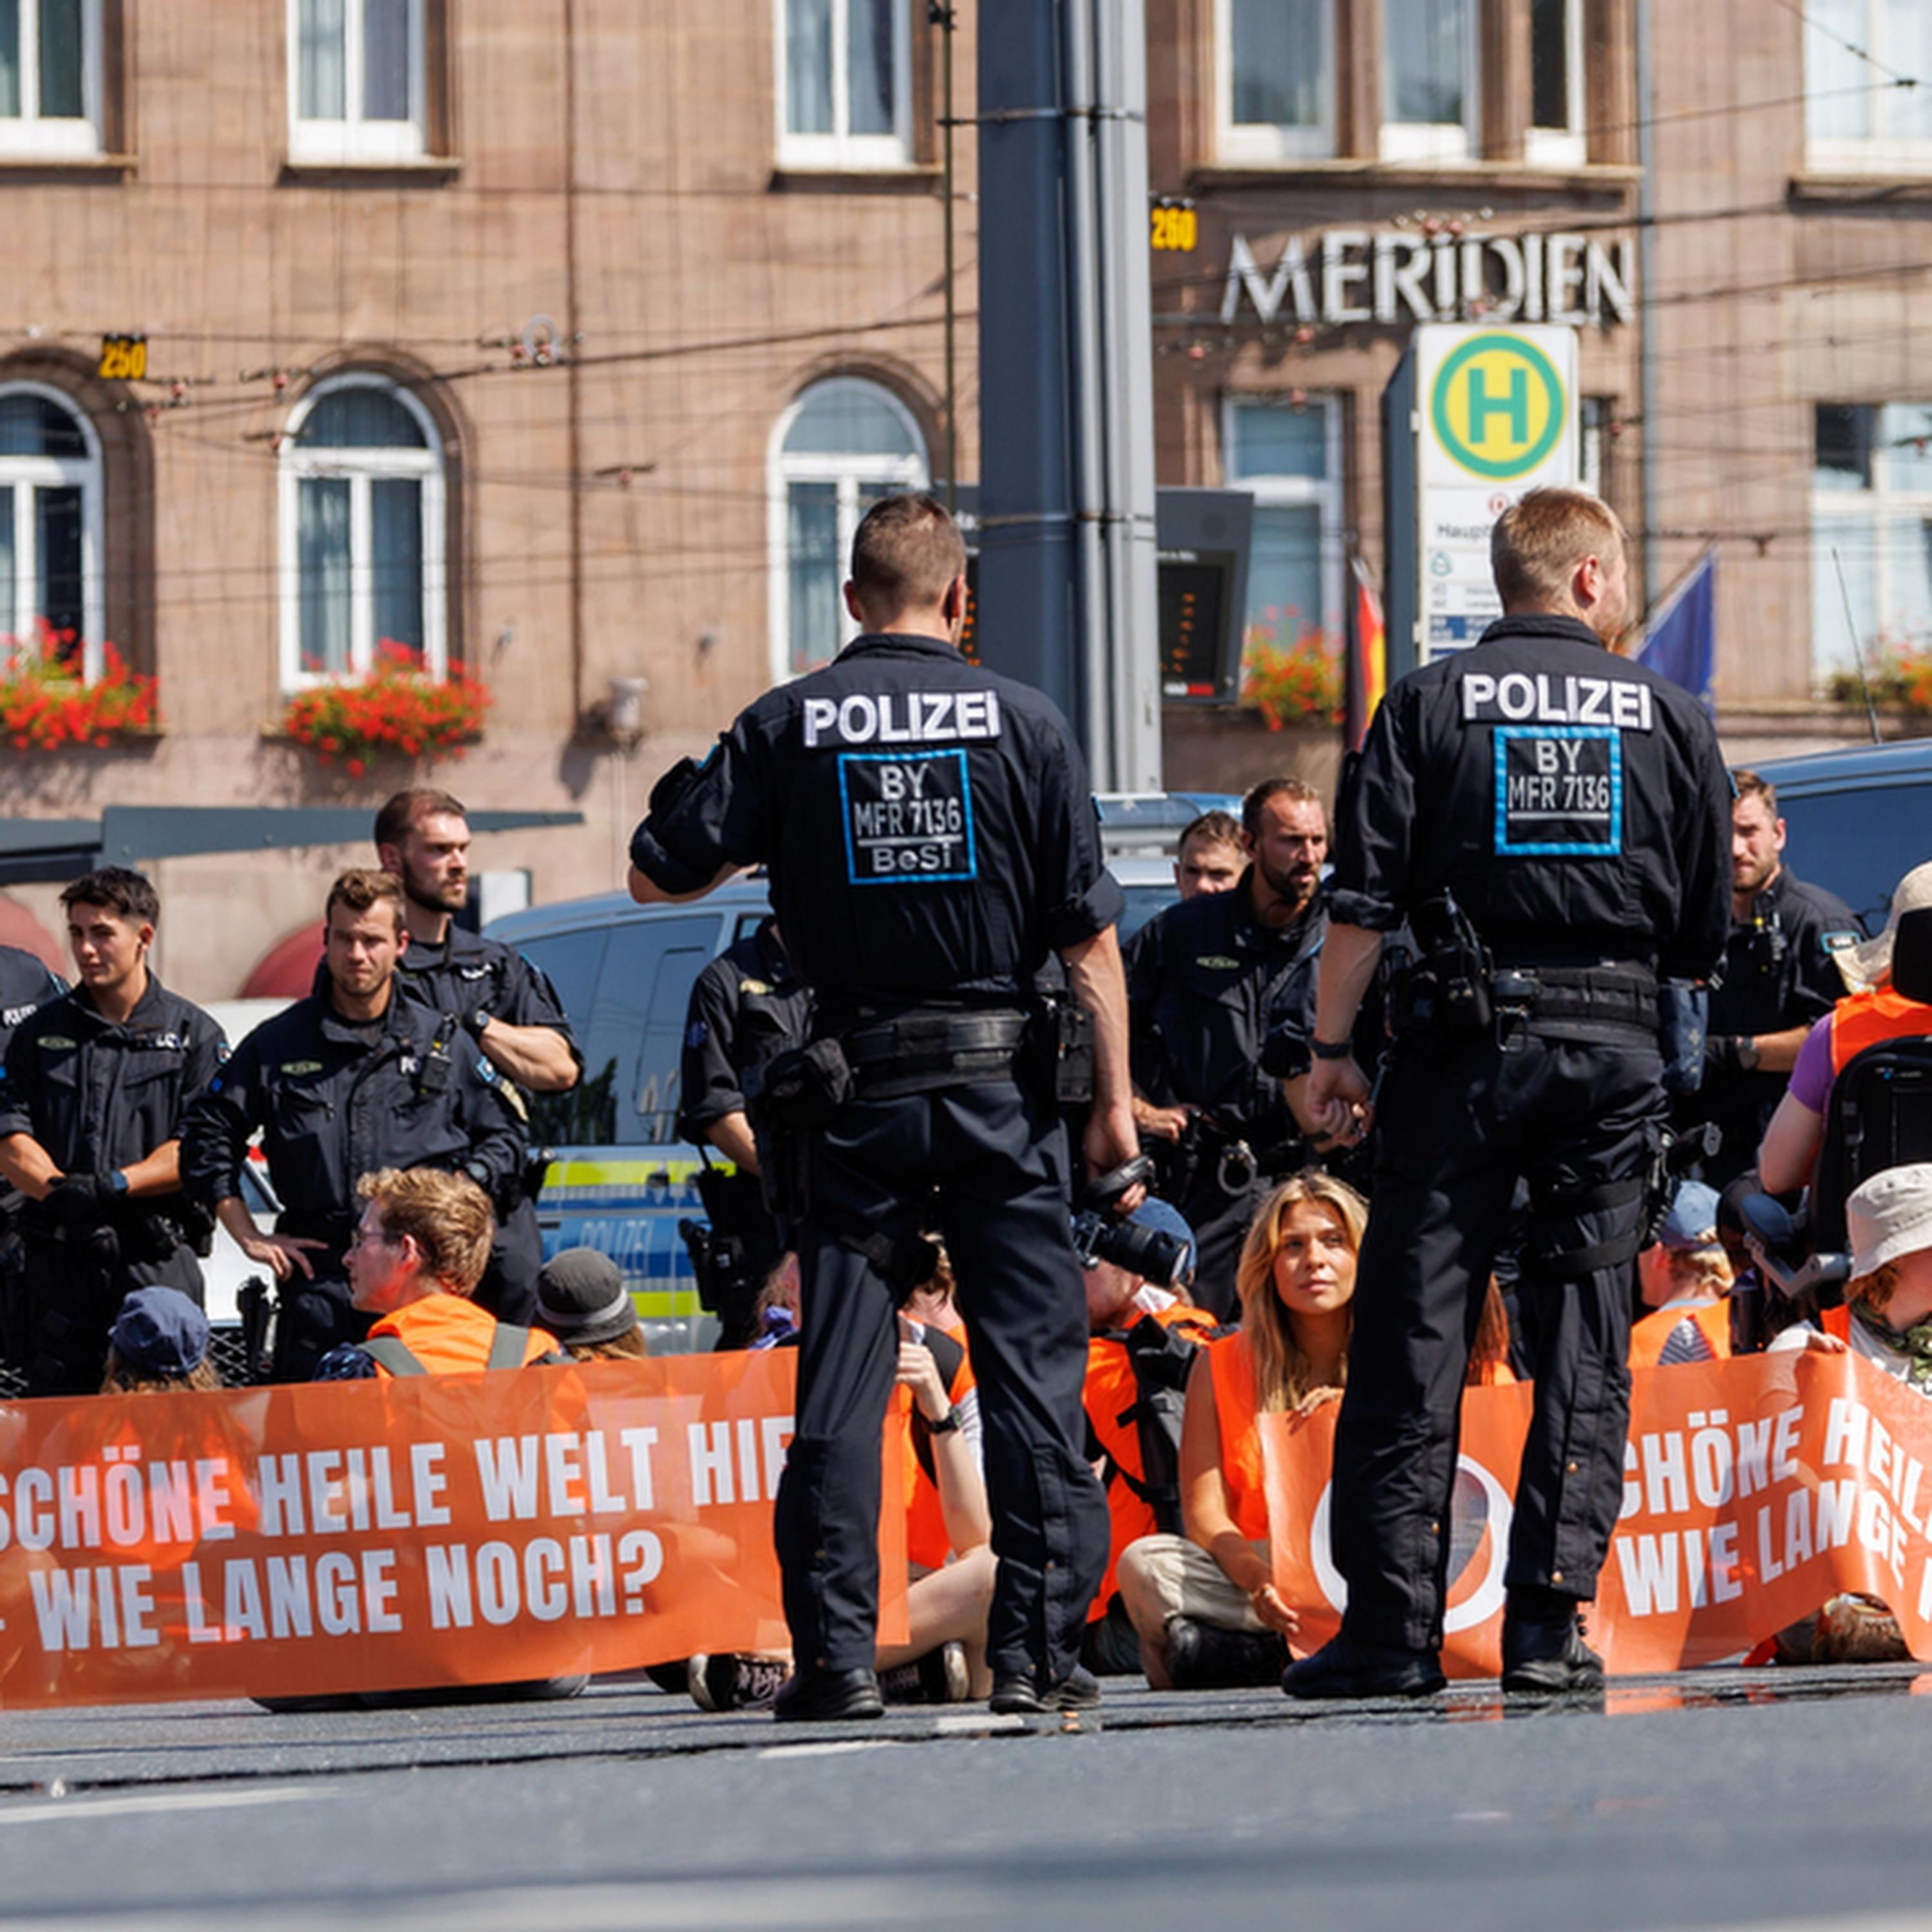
(1367, 672)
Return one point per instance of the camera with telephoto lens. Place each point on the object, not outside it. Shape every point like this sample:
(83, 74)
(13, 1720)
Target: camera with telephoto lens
(1101, 1233)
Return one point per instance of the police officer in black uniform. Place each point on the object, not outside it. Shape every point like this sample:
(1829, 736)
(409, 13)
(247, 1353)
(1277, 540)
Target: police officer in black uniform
(747, 1006)
(1778, 977)
(90, 1116)
(931, 838)
(1208, 980)
(508, 1007)
(350, 1080)
(1554, 821)
(25, 985)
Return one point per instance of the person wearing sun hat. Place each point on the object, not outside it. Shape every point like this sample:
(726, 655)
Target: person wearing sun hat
(1890, 977)
(582, 1301)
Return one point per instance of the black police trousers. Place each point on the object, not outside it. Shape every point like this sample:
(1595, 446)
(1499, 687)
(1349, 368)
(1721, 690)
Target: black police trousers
(1458, 1124)
(313, 1315)
(508, 1288)
(73, 1294)
(998, 1161)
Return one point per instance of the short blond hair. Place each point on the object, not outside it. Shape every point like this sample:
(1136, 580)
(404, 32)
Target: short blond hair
(447, 1215)
(1539, 540)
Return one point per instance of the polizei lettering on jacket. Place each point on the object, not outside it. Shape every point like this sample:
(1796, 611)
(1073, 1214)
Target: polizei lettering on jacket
(1555, 697)
(902, 717)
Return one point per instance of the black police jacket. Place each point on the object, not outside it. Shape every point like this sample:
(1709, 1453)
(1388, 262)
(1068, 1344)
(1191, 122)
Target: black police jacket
(98, 1096)
(1576, 803)
(1207, 984)
(928, 824)
(334, 1101)
(468, 973)
(746, 1006)
(25, 985)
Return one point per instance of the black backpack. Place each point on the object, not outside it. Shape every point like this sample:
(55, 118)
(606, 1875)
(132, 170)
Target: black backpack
(1161, 1358)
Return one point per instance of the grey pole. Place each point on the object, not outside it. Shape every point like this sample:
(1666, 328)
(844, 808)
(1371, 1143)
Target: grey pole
(1067, 576)
(1025, 622)
(1120, 133)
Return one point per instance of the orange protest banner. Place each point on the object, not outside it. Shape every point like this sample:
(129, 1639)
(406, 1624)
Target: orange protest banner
(1754, 1489)
(400, 1534)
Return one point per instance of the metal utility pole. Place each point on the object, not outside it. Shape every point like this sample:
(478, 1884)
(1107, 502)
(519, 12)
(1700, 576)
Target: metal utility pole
(1067, 587)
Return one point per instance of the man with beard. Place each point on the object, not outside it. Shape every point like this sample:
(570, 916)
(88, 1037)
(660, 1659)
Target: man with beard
(349, 1081)
(1207, 981)
(1778, 978)
(422, 838)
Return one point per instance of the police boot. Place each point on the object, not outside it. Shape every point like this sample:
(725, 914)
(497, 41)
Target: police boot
(825, 1696)
(1203, 1657)
(1343, 1667)
(1544, 1655)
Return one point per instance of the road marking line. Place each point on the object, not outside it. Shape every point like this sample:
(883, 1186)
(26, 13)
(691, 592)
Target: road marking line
(81, 1809)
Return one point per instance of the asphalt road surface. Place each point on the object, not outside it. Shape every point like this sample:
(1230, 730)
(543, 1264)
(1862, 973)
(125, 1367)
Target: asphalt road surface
(1717, 1798)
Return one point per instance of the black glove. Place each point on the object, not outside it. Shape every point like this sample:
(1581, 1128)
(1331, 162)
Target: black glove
(80, 1202)
(1730, 1053)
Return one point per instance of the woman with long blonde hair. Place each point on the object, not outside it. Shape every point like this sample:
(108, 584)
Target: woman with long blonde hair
(1204, 1604)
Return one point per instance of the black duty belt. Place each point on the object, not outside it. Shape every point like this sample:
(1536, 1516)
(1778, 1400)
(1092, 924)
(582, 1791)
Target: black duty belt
(1614, 996)
(916, 1051)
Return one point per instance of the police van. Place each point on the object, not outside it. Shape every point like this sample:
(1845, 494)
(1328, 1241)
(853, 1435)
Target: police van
(619, 1178)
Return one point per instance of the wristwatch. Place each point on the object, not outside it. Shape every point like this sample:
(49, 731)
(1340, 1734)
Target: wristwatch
(1331, 1049)
(947, 1423)
(476, 1019)
(117, 1182)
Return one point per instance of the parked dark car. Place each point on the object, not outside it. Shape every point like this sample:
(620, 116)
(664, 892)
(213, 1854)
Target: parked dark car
(1859, 820)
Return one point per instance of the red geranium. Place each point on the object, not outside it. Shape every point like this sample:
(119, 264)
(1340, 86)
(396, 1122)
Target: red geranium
(47, 700)
(395, 709)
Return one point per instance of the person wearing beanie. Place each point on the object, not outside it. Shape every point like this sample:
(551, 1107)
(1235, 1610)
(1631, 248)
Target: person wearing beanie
(582, 1301)
(158, 1343)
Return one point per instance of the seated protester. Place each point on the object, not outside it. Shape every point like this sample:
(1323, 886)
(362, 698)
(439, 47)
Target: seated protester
(775, 1317)
(1685, 1277)
(1489, 1352)
(158, 1343)
(1204, 1604)
(950, 1565)
(1122, 1307)
(1887, 1319)
(419, 1251)
(1890, 980)
(582, 1301)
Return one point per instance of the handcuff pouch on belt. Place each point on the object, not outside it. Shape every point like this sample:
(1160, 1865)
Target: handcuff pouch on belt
(1447, 991)
(1060, 1050)
(790, 1099)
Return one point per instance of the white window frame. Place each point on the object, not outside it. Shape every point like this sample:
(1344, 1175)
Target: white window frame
(1876, 153)
(1445, 142)
(849, 473)
(354, 141)
(26, 475)
(1325, 492)
(1256, 141)
(1875, 511)
(361, 467)
(1568, 146)
(30, 132)
(841, 150)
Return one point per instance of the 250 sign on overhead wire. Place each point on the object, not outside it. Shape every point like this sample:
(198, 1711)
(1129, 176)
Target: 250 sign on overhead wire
(124, 358)
(1173, 227)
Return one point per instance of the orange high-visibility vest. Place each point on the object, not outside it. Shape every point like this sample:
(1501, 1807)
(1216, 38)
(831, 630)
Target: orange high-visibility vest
(1865, 1019)
(449, 1335)
(1111, 1392)
(1232, 1366)
(1649, 1336)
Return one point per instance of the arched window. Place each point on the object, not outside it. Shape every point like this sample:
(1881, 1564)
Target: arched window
(362, 531)
(50, 523)
(840, 447)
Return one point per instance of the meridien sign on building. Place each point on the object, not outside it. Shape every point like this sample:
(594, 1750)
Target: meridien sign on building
(1349, 275)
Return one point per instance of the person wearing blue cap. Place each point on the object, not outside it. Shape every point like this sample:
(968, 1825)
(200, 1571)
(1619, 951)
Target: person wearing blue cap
(1144, 1337)
(158, 1343)
(1685, 1277)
